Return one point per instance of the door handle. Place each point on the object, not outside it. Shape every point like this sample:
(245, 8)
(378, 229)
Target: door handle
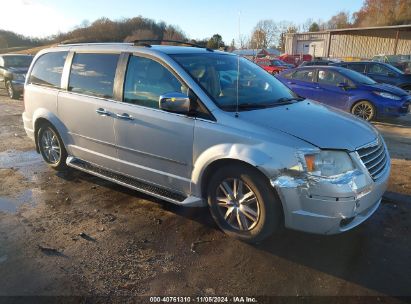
(124, 116)
(290, 82)
(103, 112)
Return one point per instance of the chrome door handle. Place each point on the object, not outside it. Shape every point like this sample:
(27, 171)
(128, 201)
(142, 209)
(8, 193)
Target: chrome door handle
(103, 112)
(124, 116)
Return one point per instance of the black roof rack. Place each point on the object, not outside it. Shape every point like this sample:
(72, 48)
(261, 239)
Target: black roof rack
(145, 42)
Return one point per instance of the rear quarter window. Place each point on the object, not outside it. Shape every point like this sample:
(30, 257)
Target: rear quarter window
(93, 74)
(48, 69)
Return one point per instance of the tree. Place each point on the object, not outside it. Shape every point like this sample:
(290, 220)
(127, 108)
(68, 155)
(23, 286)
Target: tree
(339, 21)
(383, 12)
(215, 42)
(264, 35)
(314, 27)
(285, 27)
(244, 41)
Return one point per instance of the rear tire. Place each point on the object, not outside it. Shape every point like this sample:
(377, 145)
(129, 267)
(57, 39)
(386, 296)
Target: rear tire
(364, 109)
(243, 203)
(10, 90)
(51, 147)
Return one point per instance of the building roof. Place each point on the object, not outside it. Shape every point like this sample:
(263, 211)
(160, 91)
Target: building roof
(254, 52)
(349, 29)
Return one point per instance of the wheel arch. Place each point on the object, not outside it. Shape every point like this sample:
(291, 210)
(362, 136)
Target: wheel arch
(212, 167)
(43, 116)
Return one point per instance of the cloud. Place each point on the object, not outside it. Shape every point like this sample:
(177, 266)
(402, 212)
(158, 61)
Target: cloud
(32, 18)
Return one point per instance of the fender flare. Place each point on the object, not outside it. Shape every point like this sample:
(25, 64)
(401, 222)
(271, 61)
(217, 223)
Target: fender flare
(44, 114)
(251, 155)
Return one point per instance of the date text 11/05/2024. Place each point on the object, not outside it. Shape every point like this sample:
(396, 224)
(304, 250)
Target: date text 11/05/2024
(203, 299)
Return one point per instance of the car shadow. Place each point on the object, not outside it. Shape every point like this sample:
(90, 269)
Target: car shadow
(399, 122)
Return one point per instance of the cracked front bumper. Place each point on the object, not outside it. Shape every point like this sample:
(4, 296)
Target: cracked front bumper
(330, 206)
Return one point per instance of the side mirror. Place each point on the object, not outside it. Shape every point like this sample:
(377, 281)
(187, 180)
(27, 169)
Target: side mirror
(175, 102)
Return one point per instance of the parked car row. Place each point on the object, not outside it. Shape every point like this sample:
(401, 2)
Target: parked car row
(348, 90)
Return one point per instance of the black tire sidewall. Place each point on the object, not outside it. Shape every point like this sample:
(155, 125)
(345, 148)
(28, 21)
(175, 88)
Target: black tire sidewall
(61, 164)
(9, 85)
(270, 210)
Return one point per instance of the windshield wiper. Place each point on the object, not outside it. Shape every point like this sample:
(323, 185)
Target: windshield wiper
(253, 106)
(288, 100)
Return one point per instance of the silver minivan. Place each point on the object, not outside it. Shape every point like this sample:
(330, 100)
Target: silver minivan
(199, 127)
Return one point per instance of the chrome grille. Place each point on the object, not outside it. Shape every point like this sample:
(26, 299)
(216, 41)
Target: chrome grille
(374, 158)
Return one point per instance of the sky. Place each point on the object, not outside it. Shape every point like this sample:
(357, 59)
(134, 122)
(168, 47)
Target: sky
(197, 18)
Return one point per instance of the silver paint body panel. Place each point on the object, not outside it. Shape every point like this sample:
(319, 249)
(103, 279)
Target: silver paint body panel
(173, 151)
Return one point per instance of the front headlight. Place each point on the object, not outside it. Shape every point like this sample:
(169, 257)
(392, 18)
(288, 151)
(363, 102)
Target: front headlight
(328, 163)
(20, 77)
(387, 95)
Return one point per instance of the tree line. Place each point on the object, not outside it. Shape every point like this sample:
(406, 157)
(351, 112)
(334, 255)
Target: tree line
(266, 33)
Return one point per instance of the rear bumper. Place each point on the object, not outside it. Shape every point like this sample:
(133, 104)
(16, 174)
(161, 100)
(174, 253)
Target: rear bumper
(28, 125)
(330, 207)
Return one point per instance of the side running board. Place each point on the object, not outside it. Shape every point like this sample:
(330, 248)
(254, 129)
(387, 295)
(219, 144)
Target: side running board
(127, 181)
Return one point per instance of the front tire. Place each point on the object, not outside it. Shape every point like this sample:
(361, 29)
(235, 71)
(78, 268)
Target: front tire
(10, 90)
(52, 147)
(243, 203)
(364, 109)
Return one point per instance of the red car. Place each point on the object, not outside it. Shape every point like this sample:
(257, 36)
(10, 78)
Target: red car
(295, 60)
(271, 66)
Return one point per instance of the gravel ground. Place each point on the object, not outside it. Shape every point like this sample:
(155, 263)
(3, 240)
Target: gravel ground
(75, 234)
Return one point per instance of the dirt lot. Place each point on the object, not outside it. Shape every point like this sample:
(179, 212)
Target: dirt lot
(74, 234)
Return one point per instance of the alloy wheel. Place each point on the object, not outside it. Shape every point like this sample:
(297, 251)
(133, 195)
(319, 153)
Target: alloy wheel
(50, 146)
(363, 110)
(238, 204)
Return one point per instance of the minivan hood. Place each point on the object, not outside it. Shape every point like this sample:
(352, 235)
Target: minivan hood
(322, 126)
(387, 88)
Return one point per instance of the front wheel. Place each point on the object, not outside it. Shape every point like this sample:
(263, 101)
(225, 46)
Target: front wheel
(364, 109)
(243, 203)
(51, 147)
(10, 90)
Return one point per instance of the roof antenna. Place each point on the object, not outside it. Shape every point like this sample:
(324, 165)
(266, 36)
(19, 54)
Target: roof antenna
(238, 63)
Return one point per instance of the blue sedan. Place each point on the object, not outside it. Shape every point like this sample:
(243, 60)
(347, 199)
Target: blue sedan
(348, 90)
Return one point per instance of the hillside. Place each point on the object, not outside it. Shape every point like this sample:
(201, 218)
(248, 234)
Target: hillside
(101, 30)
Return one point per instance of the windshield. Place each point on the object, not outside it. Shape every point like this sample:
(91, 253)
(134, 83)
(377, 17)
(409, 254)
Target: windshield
(226, 77)
(17, 61)
(357, 77)
(395, 69)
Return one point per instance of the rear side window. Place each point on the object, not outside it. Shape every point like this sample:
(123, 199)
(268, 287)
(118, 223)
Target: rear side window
(93, 74)
(304, 75)
(357, 67)
(48, 69)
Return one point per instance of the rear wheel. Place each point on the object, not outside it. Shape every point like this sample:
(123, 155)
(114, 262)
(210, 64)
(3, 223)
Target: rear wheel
(10, 90)
(364, 109)
(243, 204)
(51, 147)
